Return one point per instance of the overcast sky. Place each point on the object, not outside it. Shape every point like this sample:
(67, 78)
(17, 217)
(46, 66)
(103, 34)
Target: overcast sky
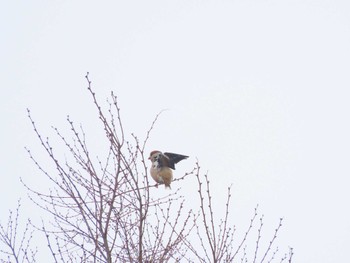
(258, 91)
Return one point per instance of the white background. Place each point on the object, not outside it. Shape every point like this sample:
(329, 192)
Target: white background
(258, 91)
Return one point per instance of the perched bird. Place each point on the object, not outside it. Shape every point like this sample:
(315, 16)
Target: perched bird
(162, 163)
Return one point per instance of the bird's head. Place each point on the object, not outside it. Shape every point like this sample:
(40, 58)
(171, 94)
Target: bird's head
(154, 155)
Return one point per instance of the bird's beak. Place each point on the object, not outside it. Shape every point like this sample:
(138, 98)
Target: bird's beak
(149, 158)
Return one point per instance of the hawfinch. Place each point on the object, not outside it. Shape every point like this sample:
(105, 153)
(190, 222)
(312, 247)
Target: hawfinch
(162, 163)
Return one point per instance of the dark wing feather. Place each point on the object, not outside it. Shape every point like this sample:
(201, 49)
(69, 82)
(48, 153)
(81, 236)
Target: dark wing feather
(163, 161)
(173, 158)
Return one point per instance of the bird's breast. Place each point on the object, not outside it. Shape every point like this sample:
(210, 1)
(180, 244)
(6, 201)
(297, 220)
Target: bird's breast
(161, 174)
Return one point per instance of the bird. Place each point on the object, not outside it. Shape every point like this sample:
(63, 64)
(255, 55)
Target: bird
(162, 166)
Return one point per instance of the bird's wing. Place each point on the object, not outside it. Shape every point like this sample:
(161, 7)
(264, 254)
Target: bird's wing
(163, 160)
(170, 159)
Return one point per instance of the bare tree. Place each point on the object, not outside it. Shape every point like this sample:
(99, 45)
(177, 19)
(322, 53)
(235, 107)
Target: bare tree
(15, 240)
(104, 211)
(216, 238)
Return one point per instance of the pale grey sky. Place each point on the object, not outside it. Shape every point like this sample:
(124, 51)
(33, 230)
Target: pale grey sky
(258, 91)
